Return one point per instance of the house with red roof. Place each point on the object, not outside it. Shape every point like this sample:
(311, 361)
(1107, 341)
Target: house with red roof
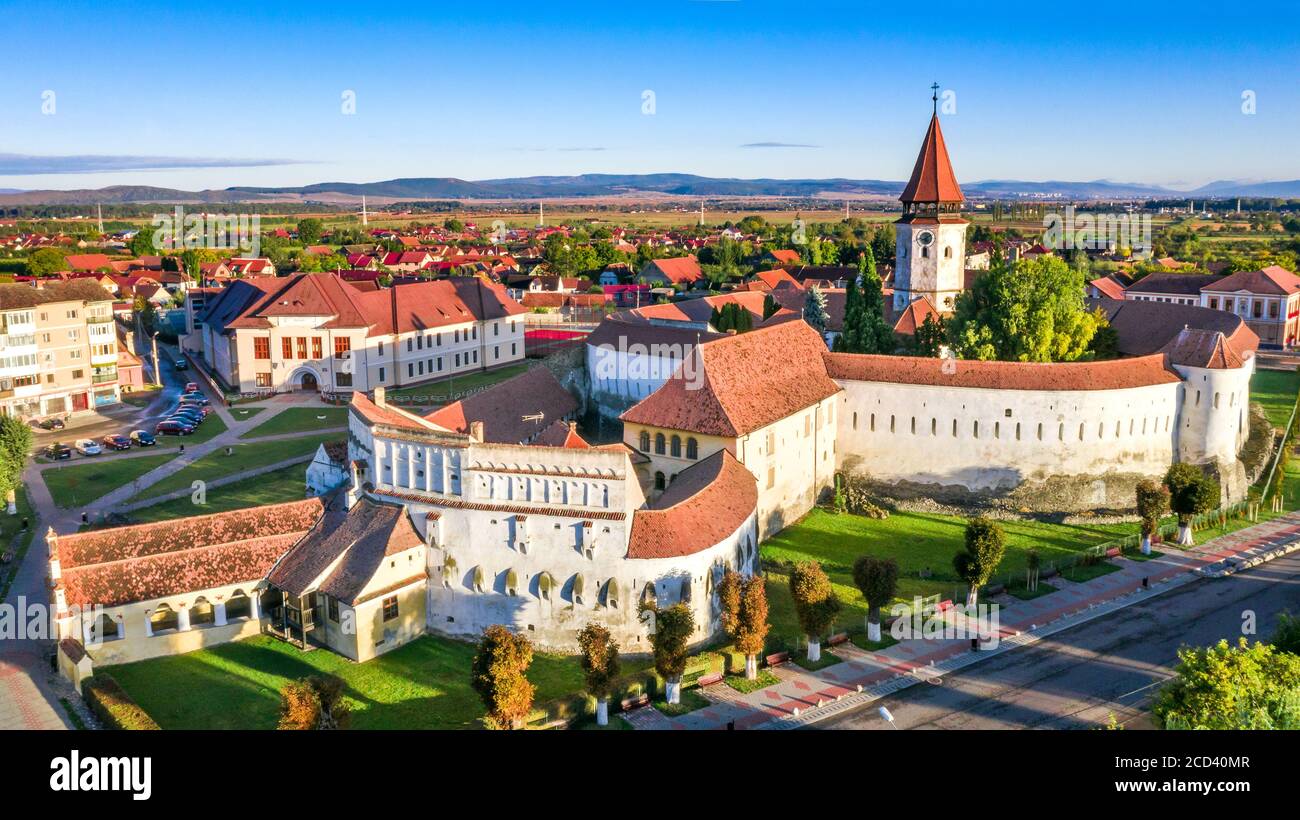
(1268, 300)
(678, 270)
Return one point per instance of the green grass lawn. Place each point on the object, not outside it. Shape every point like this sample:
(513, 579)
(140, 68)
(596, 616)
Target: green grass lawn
(1080, 573)
(690, 701)
(443, 391)
(244, 457)
(744, 686)
(211, 427)
(244, 413)
(83, 483)
(1276, 390)
(300, 420)
(423, 685)
(286, 484)
(12, 537)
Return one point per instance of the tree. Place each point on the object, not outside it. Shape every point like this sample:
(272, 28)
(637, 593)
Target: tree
(814, 310)
(499, 675)
(671, 637)
(142, 243)
(45, 262)
(1286, 638)
(310, 231)
(600, 665)
(985, 545)
(877, 580)
(744, 616)
(814, 602)
(15, 444)
(874, 333)
(453, 224)
(1152, 503)
(1031, 310)
(930, 337)
(314, 703)
(1247, 686)
(1191, 493)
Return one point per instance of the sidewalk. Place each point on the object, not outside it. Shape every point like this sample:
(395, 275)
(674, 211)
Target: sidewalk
(801, 697)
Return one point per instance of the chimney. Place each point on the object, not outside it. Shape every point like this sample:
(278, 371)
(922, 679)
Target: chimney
(476, 431)
(573, 426)
(380, 400)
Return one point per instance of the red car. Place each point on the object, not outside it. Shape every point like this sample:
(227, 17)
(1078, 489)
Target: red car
(116, 442)
(173, 427)
(191, 387)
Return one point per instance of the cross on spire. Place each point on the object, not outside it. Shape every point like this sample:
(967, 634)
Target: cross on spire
(934, 97)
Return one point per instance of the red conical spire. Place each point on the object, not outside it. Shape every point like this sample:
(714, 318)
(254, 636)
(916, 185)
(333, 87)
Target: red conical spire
(932, 179)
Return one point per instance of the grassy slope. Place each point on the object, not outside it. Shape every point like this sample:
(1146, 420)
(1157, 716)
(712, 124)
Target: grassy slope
(1276, 390)
(286, 484)
(245, 457)
(300, 420)
(423, 685)
(83, 483)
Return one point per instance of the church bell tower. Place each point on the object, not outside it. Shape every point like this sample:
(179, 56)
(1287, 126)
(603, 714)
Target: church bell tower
(930, 255)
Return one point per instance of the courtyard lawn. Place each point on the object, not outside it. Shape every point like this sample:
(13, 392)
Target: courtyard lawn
(446, 390)
(1276, 390)
(244, 457)
(300, 420)
(423, 685)
(83, 483)
(285, 484)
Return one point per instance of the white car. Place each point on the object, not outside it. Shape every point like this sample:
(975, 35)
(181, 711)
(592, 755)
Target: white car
(88, 447)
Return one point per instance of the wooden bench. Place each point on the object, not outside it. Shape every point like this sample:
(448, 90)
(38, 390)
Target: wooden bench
(1112, 552)
(777, 658)
(628, 704)
(944, 606)
(710, 679)
(837, 639)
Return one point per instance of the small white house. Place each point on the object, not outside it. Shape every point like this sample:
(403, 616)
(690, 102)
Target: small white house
(328, 469)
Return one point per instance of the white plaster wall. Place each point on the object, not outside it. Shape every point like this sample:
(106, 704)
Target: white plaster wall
(1022, 434)
(1214, 413)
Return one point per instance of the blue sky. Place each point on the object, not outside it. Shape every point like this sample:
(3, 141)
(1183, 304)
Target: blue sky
(1124, 91)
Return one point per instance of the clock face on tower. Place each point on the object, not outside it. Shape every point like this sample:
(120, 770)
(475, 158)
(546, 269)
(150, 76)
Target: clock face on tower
(925, 238)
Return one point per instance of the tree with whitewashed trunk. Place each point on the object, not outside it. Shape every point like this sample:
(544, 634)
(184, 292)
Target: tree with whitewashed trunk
(744, 616)
(1191, 493)
(670, 639)
(15, 444)
(984, 548)
(877, 580)
(600, 665)
(1152, 503)
(814, 602)
(499, 673)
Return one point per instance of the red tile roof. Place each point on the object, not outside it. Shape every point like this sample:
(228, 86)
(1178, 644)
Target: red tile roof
(1109, 287)
(1204, 348)
(561, 434)
(703, 506)
(388, 415)
(1108, 375)
(503, 406)
(738, 384)
(139, 563)
(933, 179)
(1271, 281)
(913, 316)
(683, 269)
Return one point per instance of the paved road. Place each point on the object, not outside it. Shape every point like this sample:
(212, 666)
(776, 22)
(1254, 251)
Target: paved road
(1077, 678)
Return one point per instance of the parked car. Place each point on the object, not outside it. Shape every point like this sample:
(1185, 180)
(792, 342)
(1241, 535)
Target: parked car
(189, 405)
(57, 451)
(116, 442)
(192, 387)
(142, 438)
(87, 447)
(189, 410)
(196, 397)
(181, 364)
(173, 427)
(52, 423)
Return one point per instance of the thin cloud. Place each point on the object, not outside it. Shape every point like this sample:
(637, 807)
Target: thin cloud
(779, 145)
(27, 164)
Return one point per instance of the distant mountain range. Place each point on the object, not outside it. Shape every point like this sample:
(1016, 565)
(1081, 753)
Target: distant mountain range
(629, 185)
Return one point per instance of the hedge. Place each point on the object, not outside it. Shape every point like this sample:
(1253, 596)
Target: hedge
(647, 681)
(113, 706)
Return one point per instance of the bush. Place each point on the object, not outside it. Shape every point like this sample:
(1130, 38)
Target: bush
(113, 706)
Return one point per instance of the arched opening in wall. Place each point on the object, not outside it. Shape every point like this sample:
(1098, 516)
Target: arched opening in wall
(1060, 432)
(975, 428)
(1216, 401)
(913, 425)
(239, 606)
(954, 428)
(855, 421)
(448, 571)
(660, 482)
(162, 619)
(934, 427)
(873, 422)
(947, 252)
(578, 589)
(1017, 431)
(1198, 399)
(676, 450)
(609, 595)
(1040, 431)
(684, 593)
(645, 441)
(104, 628)
(692, 448)
(648, 595)
(997, 429)
(659, 443)
(1080, 431)
(1101, 429)
(1117, 429)
(925, 253)
(512, 582)
(202, 613)
(891, 424)
(478, 580)
(545, 585)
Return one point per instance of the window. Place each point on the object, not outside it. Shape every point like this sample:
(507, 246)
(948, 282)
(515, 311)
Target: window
(343, 379)
(771, 477)
(302, 347)
(316, 347)
(390, 608)
(659, 481)
(1272, 309)
(332, 609)
(676, 450)
(286, 348)
(645, 441)
(261, 348)
(692, 448)
(263, 379)
(659, 443)
(342, 347)
(381, 374)
(381, 348)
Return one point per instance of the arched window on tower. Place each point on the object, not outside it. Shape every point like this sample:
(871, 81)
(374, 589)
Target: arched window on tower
(692, 448)
(645, 441)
